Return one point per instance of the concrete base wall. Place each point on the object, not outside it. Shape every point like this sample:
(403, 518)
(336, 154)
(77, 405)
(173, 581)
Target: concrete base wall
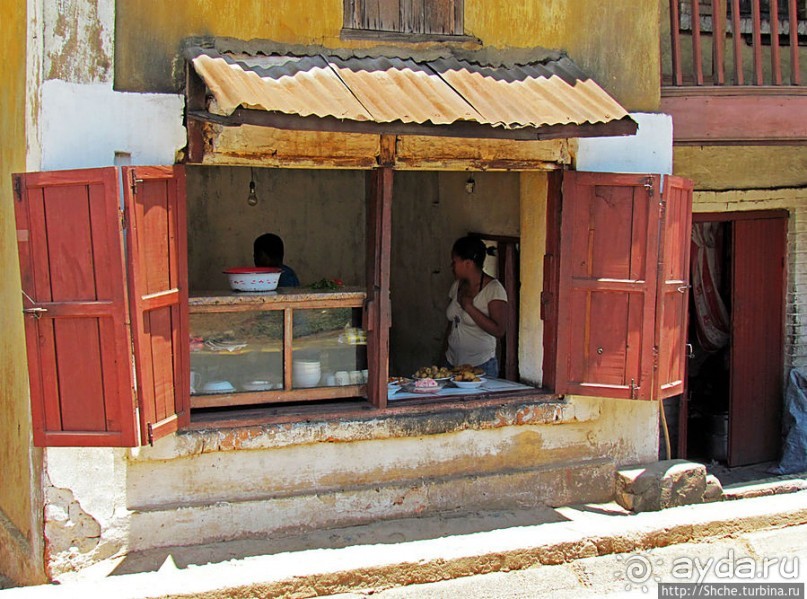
(279, 479)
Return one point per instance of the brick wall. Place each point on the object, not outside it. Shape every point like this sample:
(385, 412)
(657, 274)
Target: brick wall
(795, 202)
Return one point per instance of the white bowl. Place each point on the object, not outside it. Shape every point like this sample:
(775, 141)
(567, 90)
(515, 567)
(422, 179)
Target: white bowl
(306, 380)
(253, 278)
(469, 384)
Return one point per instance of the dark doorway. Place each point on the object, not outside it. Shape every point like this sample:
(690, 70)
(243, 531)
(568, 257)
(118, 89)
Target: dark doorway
(736, 330)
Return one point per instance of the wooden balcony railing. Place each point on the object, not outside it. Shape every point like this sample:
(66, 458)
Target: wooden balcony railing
(735, 42)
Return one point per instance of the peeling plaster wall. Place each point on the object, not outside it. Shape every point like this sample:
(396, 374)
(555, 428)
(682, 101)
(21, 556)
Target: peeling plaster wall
(212, 485)
(81, 121)
(79, 40)
(20, 463)
(85, 512)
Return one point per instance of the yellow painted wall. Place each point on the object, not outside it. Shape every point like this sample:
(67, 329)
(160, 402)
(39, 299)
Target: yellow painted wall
(17, 512)
(742, 167)
(616, 42)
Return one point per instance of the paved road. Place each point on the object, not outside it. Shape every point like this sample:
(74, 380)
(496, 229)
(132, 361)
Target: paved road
(631, 575)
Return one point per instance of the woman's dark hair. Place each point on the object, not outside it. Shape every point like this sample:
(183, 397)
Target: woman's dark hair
(472, 248)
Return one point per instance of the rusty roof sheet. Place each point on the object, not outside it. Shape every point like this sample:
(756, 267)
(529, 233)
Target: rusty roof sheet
(438, 90)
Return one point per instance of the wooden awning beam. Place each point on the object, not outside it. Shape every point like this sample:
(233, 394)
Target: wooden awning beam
(241, 116)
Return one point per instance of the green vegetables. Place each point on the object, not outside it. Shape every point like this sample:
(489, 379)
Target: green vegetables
(327, 284)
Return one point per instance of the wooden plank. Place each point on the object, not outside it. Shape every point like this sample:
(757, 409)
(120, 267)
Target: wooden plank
(700, 217)
(439, 16)
(264, 397)
(716, 119)
(551, 282)
(510, 275)
(464, 129)
(389, 12)
(756, 34)
(459, 17)
(697, 51)
(756, 363)
(793, 12)
(776, 56)
(718, 42)
(288, 348)
(675, 41)
(738, 43)
(673, 287)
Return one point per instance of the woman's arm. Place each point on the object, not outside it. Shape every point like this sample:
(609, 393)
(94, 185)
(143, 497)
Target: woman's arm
(496, 323)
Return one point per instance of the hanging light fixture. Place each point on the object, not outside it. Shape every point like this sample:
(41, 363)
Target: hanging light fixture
(252, 198)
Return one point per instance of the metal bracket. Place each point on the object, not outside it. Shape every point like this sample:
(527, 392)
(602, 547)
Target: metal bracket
(134, 181)
(36, 312)
(634, 390)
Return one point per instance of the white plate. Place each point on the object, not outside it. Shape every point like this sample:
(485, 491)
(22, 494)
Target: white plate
(257, 386)
(218, 387)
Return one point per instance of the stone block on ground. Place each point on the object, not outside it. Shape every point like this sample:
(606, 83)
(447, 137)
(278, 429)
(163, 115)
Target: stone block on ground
(659, 485)
(714, 490)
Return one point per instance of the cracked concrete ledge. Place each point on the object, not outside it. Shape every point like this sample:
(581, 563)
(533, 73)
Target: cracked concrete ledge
(587, 532)
(774, 486)
(397, 424)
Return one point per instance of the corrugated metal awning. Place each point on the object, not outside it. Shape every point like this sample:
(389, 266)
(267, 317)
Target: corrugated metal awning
(433, 95)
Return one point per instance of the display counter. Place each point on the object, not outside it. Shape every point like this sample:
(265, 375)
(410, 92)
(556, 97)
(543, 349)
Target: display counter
(290, 345)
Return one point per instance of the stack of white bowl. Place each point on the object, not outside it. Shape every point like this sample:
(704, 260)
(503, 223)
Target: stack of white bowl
(305, 373)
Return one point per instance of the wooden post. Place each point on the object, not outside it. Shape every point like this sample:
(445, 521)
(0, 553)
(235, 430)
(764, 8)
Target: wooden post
(737, 38)
(795, 74)
(776, 58)
(697, 53)
(675, 36)
(379, 311)
(719, 42)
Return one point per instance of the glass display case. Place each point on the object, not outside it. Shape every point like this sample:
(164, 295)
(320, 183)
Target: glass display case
(288, 346)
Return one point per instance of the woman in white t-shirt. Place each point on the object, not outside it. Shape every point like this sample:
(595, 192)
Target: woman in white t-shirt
(477, 309)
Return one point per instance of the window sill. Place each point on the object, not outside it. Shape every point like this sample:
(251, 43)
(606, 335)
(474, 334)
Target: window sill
(344, 422)
(413, 38)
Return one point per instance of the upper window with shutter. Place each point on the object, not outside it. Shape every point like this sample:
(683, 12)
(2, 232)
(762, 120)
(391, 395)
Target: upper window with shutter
(403, 19)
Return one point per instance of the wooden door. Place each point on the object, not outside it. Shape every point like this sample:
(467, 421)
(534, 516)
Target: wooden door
(69, 233)
(758, 286)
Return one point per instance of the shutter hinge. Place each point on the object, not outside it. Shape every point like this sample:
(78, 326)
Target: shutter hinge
(648, 185)
(655, 357)
(18, 188)
(134, 181)
(634, 390)
(150, 428)
(123, 222)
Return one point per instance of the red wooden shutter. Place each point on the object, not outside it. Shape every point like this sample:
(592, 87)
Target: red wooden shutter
(673, 287)
(607, 290)
(71, 260)
(158, 289)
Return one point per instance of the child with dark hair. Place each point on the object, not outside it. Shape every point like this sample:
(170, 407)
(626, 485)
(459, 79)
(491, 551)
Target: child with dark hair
(267, 250)
(477, 308)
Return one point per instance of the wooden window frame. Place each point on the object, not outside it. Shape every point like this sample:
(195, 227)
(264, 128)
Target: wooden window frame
(356, 25)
